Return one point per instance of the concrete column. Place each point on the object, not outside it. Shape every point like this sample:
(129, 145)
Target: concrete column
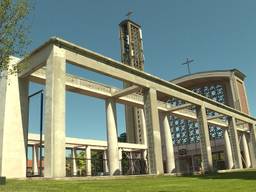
(170, 159)
(120, 152)
(153, 132)
(235, 144)
(35, 160)
(12, 126)
(74, 162)
(131, 163)
(105, 163)
(24, 106)
(252, 144)
(24, 109)
(139, 124)
(228, 149)
(130, 124)
(206, 151)
(193, 163)
(55, 157)
(113, 154)
(145, 154)
(246, 151)
(88, 161)
(144, 127)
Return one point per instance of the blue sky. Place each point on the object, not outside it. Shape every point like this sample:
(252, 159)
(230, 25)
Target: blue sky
(219, 34)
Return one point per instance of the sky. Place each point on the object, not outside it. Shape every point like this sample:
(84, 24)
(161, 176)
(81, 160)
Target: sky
(219, 34)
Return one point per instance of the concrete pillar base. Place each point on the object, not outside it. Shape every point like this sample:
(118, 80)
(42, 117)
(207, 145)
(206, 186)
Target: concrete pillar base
(228, 150)
(88, 161)
(246, 151)
(170, 159)
(113, 154)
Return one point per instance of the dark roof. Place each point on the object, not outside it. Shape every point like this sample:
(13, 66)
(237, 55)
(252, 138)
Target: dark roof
(236, 71)
(239, 74)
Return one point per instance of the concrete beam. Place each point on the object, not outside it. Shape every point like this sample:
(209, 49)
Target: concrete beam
(191, 115)
(126, 91)
(218, 122)
(125, 73)
(177, 108)
(82, 143)
(96, 62)
(113, 70)
(91, 88)
(230, 112)
(215, 117)
(35, 60)
(91, 61)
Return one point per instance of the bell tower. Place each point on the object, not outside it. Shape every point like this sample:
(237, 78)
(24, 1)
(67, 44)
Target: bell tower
(132, 55)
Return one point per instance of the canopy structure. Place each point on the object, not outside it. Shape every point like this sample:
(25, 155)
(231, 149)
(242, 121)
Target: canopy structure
(47, 65)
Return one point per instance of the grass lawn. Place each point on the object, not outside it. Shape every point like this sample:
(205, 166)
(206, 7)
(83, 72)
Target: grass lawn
(236, 181)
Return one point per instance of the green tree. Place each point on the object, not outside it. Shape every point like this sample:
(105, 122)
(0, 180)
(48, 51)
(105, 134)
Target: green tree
(81, 163)
(13, 31)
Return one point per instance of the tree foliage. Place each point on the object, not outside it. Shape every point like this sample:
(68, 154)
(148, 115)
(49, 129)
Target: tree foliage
(13, 31)
(81, 162)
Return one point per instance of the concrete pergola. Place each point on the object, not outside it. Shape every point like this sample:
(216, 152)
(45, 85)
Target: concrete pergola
(87, 145)
(47, 64)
